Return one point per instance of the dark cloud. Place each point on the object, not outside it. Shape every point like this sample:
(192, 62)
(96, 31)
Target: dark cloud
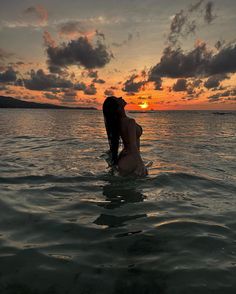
(98, 81)
(229, 93)
(194, 88)
(214, 98)
(180, 85)
(214, 81)
(80, 86)
(92, 74)
(90, 90)
(200, 61)
(209, 17)
(196, 83)
(222, 95)
(178, 22)
(175, 63)
(157, 81)
(224, 61)
(109, 92)
(50, 96)
(42, 81)
(9, 75)
(186, 22)
(219, 44)
(230, 99)
(78, 52)
(130, 94)
(126, 41)
(69, 96)
(131, 86)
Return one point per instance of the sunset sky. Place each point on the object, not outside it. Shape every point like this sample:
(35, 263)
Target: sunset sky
(156, 54)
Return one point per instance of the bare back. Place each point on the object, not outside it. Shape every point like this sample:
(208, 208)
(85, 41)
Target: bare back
(129, 158)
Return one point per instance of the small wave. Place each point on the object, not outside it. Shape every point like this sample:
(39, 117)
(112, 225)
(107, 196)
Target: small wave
(36, 179)
(183, 180)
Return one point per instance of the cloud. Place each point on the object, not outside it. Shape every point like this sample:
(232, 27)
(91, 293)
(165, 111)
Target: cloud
(50, 96)
(144, 98)
(90, 90)
(78, 52)
(175, 63)
(39, 12)
(39, 80)
(8, 76)
(226, 96)
(219, 44)
(196, 83)
(214, 81)
(224, 61)
(214, 98)
(209, 17)
(180, 85)
(98, 81)
(92, 74)
(131, 86)
(127, 40)
(153, 77)
(48, 40)
(230, 99)
(69, 96)
(80, 86)
(195, 6)
(87, 89)
(176, 26)
(109, 92)
(186, 22)
(73, 29)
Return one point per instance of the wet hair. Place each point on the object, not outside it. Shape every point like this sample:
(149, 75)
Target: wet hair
(111, 119)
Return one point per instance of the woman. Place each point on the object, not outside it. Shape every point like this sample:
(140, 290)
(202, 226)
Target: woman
(119, 125)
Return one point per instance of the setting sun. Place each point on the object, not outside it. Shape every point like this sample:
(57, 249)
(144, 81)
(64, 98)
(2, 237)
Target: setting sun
(144, 105)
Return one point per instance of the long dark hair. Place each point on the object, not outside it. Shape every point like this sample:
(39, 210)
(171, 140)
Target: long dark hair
(112, 122)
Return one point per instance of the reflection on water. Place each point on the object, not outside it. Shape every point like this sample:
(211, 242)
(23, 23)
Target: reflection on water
(116, 195)
(68, 226)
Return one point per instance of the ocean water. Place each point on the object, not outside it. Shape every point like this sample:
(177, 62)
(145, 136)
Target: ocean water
(69, 226)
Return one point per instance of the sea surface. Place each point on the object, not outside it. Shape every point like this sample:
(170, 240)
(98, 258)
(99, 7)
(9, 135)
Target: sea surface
(68, 226)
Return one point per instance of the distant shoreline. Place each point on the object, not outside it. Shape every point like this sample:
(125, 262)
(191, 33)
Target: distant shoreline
(10, 102)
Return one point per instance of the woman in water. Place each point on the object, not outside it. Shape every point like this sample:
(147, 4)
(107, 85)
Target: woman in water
(119, 125)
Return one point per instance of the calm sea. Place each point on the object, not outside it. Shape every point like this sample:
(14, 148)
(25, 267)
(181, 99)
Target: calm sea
(68, 226)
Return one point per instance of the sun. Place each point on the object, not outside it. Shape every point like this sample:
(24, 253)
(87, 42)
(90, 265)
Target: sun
(144, 105)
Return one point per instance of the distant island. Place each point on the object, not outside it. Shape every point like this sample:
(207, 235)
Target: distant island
(9, 102)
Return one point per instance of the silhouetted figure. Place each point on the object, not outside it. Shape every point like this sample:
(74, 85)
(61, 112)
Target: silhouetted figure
(119, 125)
